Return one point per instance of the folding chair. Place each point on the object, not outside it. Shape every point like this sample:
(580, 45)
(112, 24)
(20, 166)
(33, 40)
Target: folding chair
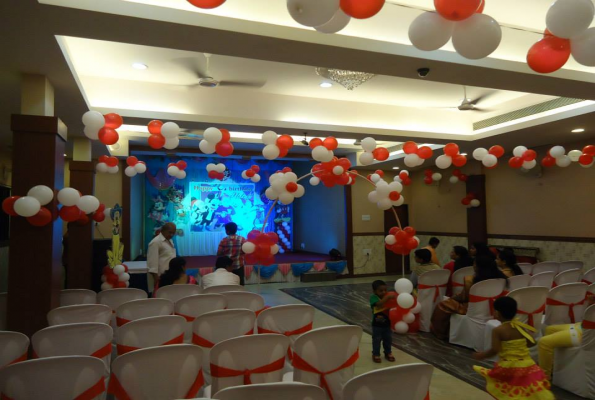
(248, 300)
(273, 391)
(458, 279)
(194, 306)
(527, 268)
(546, 266)
(79, 314)
(177, 292)
(574, 264)
(568, 276)
(589, 277)
(517, 282)
(544, 279)
(73, 297)
(565, 304)
(145, 308)
(224, 288)
(114, 298)
(14, 348)
(431, 288)
(149, 332)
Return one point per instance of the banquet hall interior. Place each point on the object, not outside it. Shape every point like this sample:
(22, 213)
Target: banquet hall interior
(346, 140)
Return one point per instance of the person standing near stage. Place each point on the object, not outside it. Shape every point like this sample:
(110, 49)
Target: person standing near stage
(231, 246)
(161, 251)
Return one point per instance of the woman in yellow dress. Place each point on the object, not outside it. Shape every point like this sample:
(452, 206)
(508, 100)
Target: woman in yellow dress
(515, 376)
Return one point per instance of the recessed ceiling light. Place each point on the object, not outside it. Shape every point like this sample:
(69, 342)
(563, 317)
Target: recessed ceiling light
(326, 85)
(65, 155)
(396, 167)
(578, 130)
(463, 154)
(138, 65)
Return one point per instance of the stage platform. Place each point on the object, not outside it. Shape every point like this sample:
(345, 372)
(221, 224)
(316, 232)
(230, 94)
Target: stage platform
(195, 262)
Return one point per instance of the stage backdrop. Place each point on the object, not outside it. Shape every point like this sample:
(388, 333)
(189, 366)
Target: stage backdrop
(200, 206)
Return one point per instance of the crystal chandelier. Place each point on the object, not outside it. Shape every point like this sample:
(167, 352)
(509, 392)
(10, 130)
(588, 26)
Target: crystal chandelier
(348, 79)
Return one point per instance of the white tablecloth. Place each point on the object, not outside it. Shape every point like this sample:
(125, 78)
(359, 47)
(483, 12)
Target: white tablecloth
(137, 267)
(198, 243)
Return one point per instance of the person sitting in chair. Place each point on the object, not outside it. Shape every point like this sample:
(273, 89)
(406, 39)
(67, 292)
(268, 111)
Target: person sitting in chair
(223, 274)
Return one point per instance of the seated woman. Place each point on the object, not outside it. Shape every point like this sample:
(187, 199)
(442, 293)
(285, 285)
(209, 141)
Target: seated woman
(479, 249)
(423, 257)
(176, 274)
(506, 261)
(485, 268)
(460, 259)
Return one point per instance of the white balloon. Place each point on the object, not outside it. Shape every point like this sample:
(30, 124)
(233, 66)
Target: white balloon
(477, 36)
(211, 167)
(337, 23)
(557, 151)
(274, 249)
(366, 158)
(519, 151)
(384, 204)
(369, 144)
(255, 178)
(106, 286)
(206, 147)
(130, 171)
(399, 202)
(314, 181)
(395, 187)
(113, 170)
(213, 136)
(403, 285)
(42, 193)
(404, 172)
(286, 198)
(69, 196)
(375, 178)
(475, 203)
(27, 206)
(290, 177)
(417, 308)
(299, 192)
(529, 164)
(443, 161)
(583, 48)
(91, 133)
(271, 194)
(454, 179)
(405, 300)
(412, 160)
(569, 18)
(574, 155)
(321, 154)
(373, 197)
(140, 168)
(170, 130)
(94, 120)
(436, 176)
(409, 318)
(119, 269)
(382, 189)
(312, 12)
(401, 327)
(171, 143)
(489, 161)
(248, 247)
(88, 204)
(390, 240)
(244, 176)
(173, 170)
(271, 151)
(480, 153)
(429, 31)
(563, 161)
(125, 277)
(101, 167)
(220, 167)
(181, 174)
(269, 137)
(588, 166)
(338, 170)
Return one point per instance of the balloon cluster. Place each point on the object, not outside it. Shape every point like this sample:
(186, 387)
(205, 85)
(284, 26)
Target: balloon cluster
(177, 169)
(134, 167)
(474, 35)
(431, 176)
(586, 158)
(523, 158)
(217, 171)
(252, 174)
(284, 233)
(261, 247)
(206, 4)
(415, 156)
(276, 146)
(322, 150)
(489, 158)
(31, 206)
(334, 172)
(404, 317)
(556, 156)
(284, 187)
(331, 16)
(471, 200)
(117, 277)
(457, 176)
(107, 164)
(376, 176)
(372, 152)
(567, 33)
(403, 178)
(401, 241)
(163, 135)
(216, 141)
(75, 206)
(102, 127)
(387, 195)
(450, 157)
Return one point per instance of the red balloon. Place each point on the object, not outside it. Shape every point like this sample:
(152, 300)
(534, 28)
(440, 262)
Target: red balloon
(224, 149)
(83, 219)
(206, 3)
(8, 205)
(409, 230)
(471, 196)
(456, 172)
(549, 54)
(459, 160)
(451, 149)
(225, 135)
(286, 170)
(394, 196)
(585, 159)
(250, 173)
(529, 155)
(428, 180)
(70, 213)
(181, 164)
(111, 161)
(463, 177)
(548, 161)
(410, 147)
(101, 207)
(132, 161)
(361, 9)
(255, 168)
(315, 143)
(406, 182)
(108, 136)
(156, 141)
(213, 174)
(330, 143)
(590, 150)
(497, 151)
(291, 187)
(516, 162)
(466, 201)
(403, 175)
(428, 172)
(411, 244)
(99, 216)
(155, 127)
(283, 152)
(113, 120)
(380, 154)
(457, 10)
(379, 172)
(284, 142)
(481, 7)
(424, 152)
(103, 159)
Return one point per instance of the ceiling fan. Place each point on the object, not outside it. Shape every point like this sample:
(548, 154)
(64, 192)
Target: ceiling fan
(471, 104)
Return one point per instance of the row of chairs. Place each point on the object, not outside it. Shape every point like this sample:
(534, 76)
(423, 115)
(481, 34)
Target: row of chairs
(550, 266)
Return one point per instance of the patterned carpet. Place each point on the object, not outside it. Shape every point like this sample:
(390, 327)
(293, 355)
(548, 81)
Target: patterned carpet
(350, 304)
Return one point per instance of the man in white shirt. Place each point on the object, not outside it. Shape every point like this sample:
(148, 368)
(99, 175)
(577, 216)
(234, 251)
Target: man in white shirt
(161, 251)
(223, 274)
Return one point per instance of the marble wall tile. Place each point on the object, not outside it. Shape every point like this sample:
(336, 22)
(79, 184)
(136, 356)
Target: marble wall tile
(377, 263)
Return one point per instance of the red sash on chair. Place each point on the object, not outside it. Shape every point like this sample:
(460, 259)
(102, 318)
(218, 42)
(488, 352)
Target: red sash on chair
(116, 388)
(554, 302)
(102, 352)
(88, 394)
(187, 317)
(123, 349)
(222, 372)
(478, 299)
(587, 282)
(121, 321)
(437, 287)
(299, 331)
(530, 314)
(19, 359)
(202, 342)
(300, 363)
(588, 324)
(261, 310)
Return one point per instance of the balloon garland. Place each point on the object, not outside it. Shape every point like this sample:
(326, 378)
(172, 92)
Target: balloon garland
(107, 164)
(177, 169)
(403, 178)
(276, 146)
(322, 150)
(457, 176)
(450, 157)
(415, 156)
(252, 174)
(372, 152)
(471, 200)
(134, 167)
(216, 171)
(431, 177)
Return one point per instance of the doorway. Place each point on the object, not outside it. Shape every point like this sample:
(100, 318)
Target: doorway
(394, 261)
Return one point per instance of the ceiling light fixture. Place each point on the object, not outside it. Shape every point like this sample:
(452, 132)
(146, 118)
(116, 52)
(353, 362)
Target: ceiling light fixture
(396, 167)
(139, 66)
(578, 130)
(463, 154)
(348, 79)
(326, 85)
(65, 155)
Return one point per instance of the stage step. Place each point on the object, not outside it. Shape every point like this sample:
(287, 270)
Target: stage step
(324, 276)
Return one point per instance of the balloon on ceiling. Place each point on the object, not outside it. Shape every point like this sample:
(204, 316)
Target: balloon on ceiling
(403, 178)
(176, 170)
(457, 176)
(216, 141)
(102, 127)
(134, 167)
(489, 158)
(372, 152)
(107, 164)
(415, 156)
(450, 157)
(216, 171)
(252, 174)
(431, 177)
(276, 146)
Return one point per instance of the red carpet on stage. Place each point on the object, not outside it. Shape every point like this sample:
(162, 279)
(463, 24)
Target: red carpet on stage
(193, 262)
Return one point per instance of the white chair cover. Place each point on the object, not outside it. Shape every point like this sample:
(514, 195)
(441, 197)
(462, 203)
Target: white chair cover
(73, 297)
(544, 279)
(411, 382)
(458, 279)
(86, 339)
(150, 332)
(574, 264)
(114, 298)
(326, 350)
(224, 288)
(54, 378)
(158, 373)
(517, 282)
(546, 266)
(527, 268)
(177, 292)
(568, 276)
(244, 354)
(431, 288)
(467, 330)
(194, 306)
(564, 303)
(589, 277)
(273, 391)
(248, 300)
(145, 308)
(3, 310)
(81, 313)
(14, 347)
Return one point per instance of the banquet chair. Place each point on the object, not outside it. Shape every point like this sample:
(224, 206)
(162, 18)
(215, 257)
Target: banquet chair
(73, 297)
(326, 357)
(85, 339)
(527, 268)
(68, 377)
(249, 300)
(196, 305)
(273, 391)
(411, 382)
(546, 266)
(14, 348)
(431, 288)
(467, 330)
(572, 369)
(224, 288)
(81, 313)
(568, 276)
(150, 332)
(458, 279)
(589, 276)
(245, 360)
(590, 299)
(114, 298)
(517, 282)
(3, 310)
(177, 292)
(565, 304)
(545, 279)
(157, 373)
(216, 326)
(145, 308)
(574, 264)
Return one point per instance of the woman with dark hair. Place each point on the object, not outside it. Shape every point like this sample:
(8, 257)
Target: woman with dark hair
(485, 268)
(506, 261)
(478, 249)
(176, 274)
(460, 259)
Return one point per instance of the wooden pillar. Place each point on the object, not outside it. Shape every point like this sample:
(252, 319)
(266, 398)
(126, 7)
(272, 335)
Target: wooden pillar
(35, 265)
(477, 225)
